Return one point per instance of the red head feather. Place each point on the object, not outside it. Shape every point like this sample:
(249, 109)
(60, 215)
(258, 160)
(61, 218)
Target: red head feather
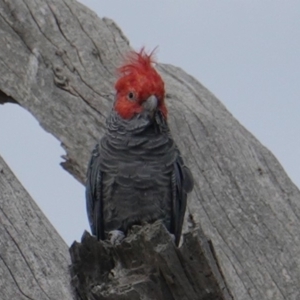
(138, 81)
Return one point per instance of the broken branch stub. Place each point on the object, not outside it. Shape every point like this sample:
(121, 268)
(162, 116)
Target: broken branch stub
(147, 265)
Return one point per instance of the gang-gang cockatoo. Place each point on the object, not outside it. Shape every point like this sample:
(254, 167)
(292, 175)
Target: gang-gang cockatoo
(136, 174)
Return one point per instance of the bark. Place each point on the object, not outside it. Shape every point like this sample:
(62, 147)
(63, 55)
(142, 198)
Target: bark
(147, 265)
(58, 59)
(33, 257)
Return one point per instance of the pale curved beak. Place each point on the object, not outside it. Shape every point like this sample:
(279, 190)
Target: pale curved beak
(150, 104)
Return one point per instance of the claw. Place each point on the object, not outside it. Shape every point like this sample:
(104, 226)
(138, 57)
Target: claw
(116, 236)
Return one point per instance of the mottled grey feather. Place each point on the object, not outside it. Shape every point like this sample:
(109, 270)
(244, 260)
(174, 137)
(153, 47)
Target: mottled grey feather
(143, 177)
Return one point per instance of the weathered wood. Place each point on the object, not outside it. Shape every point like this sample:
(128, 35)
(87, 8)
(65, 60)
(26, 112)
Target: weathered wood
(147, 265)
(58, 59)
(34, 259)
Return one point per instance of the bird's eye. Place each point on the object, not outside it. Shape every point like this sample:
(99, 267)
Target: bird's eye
(131, 96)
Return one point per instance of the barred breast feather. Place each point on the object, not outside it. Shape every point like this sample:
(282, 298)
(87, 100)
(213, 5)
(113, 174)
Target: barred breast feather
(136, 175)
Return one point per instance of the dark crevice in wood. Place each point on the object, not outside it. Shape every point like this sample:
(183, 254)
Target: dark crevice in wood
(6, 99)
(242, 198)
(14, 279)
(26, 262)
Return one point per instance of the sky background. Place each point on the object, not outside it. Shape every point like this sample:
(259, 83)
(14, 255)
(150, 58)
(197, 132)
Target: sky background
(246, 52)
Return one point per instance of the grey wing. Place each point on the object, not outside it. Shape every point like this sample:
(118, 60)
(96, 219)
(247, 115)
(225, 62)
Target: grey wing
(182, 183)
(93, 195)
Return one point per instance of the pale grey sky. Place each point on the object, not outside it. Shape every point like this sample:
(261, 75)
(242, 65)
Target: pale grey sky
(245, 51)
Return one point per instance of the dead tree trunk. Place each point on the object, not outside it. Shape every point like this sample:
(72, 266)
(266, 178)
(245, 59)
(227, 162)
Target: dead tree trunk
(57, 60)
(33, 257)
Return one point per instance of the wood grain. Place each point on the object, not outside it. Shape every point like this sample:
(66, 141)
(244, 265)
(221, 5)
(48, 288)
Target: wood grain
(34, 259)
(58, 60)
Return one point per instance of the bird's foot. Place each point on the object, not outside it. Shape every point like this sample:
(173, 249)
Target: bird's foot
(116, 236)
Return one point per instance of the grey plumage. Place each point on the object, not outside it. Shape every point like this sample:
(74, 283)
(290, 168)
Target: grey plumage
(136, 175)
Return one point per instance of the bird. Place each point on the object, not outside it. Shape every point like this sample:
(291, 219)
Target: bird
(136, 174)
